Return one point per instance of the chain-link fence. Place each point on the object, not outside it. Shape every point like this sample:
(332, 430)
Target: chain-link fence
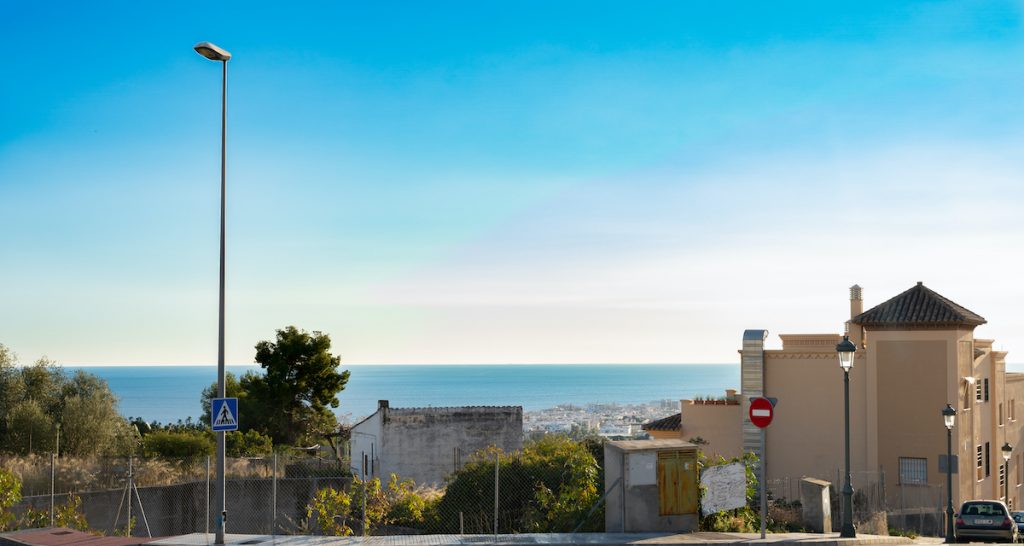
(491, 492)
(171, 496)
(878, 504)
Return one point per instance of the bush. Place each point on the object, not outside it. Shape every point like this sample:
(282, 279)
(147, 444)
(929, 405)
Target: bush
(331, 508)
(10, 494)
(165, 443)
(248, 444)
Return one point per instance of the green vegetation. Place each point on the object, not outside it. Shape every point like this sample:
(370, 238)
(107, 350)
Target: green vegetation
(291, 401)
(68, 514)
(38, 399)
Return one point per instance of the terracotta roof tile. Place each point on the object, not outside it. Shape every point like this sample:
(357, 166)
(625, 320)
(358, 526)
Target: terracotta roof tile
(918, 308)
(672, 422)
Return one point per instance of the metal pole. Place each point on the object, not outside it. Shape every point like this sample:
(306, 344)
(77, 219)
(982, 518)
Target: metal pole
(848, 529)
(220, 491)
(128, 526)
(273, 501)
(207, 519)
(764, 489)
(51, 488)
(950, 538)
(497, 460)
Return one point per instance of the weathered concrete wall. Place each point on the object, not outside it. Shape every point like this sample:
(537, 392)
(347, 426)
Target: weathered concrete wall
(180, 509)
(365, 444)
(427, 444)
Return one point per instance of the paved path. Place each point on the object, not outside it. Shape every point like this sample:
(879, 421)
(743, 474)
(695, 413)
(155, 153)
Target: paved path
(545, 539)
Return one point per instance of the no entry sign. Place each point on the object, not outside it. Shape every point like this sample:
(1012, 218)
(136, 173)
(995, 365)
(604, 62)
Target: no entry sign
(761, 412)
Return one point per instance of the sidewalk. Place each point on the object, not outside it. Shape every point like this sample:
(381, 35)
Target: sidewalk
(546, 539)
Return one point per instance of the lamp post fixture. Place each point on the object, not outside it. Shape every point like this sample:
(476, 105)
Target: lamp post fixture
(214, 53)
(847, 350)
(1007, 449)
(949, 418)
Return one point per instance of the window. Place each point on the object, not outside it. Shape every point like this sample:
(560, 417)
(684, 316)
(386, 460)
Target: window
(986, 389)
(1002, 475)
(988, 460)
(913, 470)
(981, 464)
(1020, 459)
(1000, 414)
(977, 391)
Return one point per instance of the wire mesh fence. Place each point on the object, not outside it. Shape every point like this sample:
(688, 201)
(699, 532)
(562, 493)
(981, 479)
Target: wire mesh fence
(878, 504)
(491, 492)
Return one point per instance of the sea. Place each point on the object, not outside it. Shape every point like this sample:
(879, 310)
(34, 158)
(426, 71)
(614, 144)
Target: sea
(171, 393)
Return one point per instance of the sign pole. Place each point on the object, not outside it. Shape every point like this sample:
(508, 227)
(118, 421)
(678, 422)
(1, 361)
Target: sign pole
(764, 487)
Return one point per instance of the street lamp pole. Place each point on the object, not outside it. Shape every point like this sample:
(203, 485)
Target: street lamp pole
(214, 53)
(949, 417)
(847, 351)
(1007, 450)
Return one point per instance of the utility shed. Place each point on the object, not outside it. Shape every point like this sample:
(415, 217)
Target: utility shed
(652, 486)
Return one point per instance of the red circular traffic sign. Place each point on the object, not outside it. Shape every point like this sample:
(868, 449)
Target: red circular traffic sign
(761, 412)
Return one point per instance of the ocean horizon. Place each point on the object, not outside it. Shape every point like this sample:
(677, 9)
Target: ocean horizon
(168, 393)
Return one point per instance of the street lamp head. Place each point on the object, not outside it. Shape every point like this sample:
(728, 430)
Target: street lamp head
(1007, 450)
(949, 416)
(846, 350)
(212, 52)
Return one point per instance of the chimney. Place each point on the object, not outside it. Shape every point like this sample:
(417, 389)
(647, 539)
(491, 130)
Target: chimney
(382, 404)
(856, 302)
(855, 332)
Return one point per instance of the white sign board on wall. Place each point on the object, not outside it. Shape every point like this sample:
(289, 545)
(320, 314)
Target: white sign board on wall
(724, 488)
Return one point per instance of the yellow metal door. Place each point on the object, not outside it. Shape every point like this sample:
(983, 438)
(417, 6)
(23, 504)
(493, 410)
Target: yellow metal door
(677, 483)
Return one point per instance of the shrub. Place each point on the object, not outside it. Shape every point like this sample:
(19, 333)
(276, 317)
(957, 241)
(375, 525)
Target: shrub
(10, 494)
(164, 443)
(248, 444)
(331, 508)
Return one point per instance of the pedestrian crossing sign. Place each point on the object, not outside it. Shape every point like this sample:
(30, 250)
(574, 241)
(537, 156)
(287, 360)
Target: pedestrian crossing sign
(224, 414)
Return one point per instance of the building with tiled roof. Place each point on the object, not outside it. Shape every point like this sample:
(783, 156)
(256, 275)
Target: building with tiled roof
(666, 427)
(916, 352)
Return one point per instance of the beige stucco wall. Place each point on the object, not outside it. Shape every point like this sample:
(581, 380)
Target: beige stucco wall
(912, 391)
(806, 434)
(718, 425)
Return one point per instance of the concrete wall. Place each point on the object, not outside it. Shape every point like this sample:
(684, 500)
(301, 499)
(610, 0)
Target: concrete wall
(427, 444)
(181, 509)
(365, 445)
(720, 425)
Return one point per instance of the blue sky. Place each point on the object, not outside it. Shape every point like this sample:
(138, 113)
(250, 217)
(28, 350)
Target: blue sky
(518, 182)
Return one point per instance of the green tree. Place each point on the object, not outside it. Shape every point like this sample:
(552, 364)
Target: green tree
(291, 400)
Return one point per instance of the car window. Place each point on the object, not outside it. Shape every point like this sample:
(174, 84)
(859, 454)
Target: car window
(982, 509)
(1018, 517)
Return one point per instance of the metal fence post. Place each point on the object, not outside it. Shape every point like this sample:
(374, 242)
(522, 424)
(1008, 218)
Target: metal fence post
(52, 474)
(207, 518)
(273, 501)
(497, 461)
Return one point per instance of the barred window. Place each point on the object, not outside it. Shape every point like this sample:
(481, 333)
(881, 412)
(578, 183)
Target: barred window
(977, 391)
(988, 460)
(1002, 475)
(981, 464)
(913, 470)
(986, 389)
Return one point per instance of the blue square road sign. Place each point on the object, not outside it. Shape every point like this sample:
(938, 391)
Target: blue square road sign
(224, 414)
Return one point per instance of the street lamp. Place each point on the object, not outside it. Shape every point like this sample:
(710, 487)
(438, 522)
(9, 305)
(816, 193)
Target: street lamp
(847, 351)
(214, 53)
(949, 418)
(1007, 450)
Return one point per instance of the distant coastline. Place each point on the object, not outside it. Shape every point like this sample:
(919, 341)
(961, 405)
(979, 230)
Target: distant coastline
(169, 393)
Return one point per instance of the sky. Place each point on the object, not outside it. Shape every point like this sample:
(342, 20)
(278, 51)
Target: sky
(516, 182)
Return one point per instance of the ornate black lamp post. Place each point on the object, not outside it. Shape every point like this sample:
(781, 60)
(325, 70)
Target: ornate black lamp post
(949, 417)
(847, 350)
(1007, 449)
